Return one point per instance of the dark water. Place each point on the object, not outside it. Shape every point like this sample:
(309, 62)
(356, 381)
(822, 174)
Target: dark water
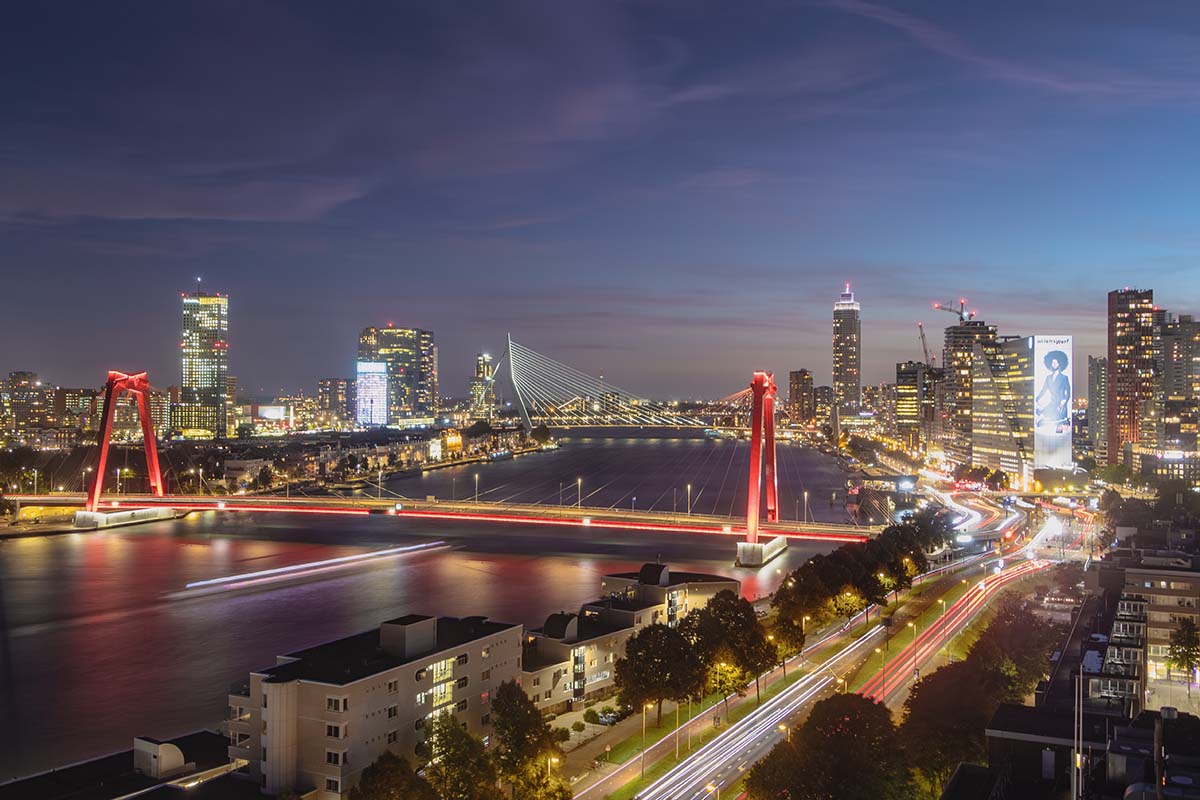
(96, 649)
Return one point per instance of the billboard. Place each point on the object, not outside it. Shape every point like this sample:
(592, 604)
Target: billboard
(372, 388)
(1053, 360)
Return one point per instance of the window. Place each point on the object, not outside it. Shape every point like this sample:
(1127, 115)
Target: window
(420, 675)
(392, 711)
(392, 736)
(333, 731)
(393, 686)
(336, 757)
(487, 674)
(462, 660)
(461, 705)
(486, 719)
(547, 695)
(537, 681)
(485, 653)
(336, 703)
(461, 683)
(419, 724)
(333, 785)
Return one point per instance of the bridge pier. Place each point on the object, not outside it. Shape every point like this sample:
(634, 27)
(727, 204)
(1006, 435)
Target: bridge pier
(757, 554)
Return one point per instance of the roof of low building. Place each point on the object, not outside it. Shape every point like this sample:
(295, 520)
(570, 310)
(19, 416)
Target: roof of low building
(359, 656)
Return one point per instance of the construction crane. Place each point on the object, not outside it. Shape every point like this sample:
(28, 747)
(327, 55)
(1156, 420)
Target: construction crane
(924, 344)
(962, 313)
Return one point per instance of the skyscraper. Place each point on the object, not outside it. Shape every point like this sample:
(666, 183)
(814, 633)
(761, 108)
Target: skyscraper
(916, 384)
(958, 355)
(847, 352)
(1131, 362)
(1097, 411)
(801, 403)
(371, 393)
(412, 369)
(483, 389)
(333, 397)
(28, 407)
(204, 348)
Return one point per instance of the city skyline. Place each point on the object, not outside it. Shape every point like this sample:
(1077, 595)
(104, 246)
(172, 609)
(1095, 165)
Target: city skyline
(952, 138)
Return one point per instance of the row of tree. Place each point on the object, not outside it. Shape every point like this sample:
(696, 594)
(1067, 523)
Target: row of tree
(850, 748)
(719, 648)
(844, 582)
(460, 767)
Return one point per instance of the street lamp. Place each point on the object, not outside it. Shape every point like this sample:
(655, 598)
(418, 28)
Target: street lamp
(579, 492)
(477, 488)
(550, 760)
(83, 479)
(710, 788)
(645, 708)
(942, 620)
(786, 732)
(782, 659)
(689, 488)
(35, 480)
(806, 505)
(914, 630)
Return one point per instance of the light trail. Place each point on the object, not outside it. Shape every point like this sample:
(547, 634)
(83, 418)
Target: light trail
(695, 770)
(329, 562)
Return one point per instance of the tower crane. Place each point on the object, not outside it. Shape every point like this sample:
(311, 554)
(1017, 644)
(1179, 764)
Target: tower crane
(924, 344)
(961, 312)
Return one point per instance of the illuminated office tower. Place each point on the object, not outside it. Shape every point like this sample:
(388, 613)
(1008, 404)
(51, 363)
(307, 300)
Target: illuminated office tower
(371, 391)
(412, 370)
(333, 397)
(847, 352)
(203, 391)
(1097, 411)
(28, 408)
(1131, 365)
(801, 406)
(958, 355)
(483, 389)
(916, 385)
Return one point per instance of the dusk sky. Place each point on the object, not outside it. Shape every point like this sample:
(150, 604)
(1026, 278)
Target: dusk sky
(668, 193)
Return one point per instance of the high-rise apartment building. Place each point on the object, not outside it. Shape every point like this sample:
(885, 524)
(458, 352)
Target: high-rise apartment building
(1131, 365)
(28, 406)
(333, 397)
(483, 388)
(412, 369)
(801, 402)
(916, 403)
(847, 352)
(203, 408)
(1097, 412)
(823, 403)
(958, 355)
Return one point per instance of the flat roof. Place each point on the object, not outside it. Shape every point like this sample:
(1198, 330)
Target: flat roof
(678, 577)
(359, 656)
(113, 775)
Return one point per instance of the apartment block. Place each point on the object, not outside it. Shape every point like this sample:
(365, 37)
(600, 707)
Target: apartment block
(570, 658)
(319, 716)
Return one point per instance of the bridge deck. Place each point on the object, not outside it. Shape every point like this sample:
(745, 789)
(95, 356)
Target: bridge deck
(469, 511)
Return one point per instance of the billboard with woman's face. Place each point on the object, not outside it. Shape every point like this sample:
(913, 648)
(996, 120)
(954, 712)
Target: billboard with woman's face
(1052, 361)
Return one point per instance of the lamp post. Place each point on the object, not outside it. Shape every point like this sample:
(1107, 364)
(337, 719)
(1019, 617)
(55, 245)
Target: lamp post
(379, 486)
(782, 659)
(786, 731)
(914, 630)
(477, 488)
(712, 787)
(645, 708)
(550, 760)
(118, 471)
(942, 620)
(689, 490)
(579, 492)
(35, 480)
(83, 479)
(806, 505)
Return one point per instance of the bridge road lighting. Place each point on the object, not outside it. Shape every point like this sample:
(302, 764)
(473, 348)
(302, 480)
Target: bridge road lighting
(83, 479)
(914, 630)
(476, 487)
(689, 490)
(579, 492)
(806, 505)
(942, 620)
(35, 480)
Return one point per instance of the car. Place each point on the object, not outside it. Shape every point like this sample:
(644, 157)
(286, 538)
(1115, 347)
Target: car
(609, 718)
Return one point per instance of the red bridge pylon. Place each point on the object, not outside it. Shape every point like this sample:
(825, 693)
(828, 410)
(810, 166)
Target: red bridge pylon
(138, 386)
(762, 448)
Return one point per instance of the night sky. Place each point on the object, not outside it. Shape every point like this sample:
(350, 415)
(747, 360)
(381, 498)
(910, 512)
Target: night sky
(670, 193)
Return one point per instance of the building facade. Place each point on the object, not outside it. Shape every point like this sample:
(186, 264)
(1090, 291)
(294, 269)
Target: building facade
(1097, 412)
(333, 397)
(483, 388)
(801, 402)
(847, 352)
(412, 369)
(371, 393)
(204, 402)
(1131, 366)
(319, 716)
(958, 356)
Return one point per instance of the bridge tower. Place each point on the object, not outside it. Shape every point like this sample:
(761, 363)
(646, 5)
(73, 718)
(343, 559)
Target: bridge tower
(139, 387)
(762, 449)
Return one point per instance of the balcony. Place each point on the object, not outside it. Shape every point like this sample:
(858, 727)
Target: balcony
(240, 690)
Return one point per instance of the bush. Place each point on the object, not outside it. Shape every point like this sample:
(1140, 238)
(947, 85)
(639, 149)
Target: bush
(578, 726)
(591, 717)
(607, 710)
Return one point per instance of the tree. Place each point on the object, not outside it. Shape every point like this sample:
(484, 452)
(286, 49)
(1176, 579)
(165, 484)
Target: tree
(390, 777)
(847, 749)
(758, 655)
(846, 603)
(945, 717)
(1183, 650)
(460, 768)
(523, 739)
(726, 676)
(1011, 652)
(659, 664)
(264, 478)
